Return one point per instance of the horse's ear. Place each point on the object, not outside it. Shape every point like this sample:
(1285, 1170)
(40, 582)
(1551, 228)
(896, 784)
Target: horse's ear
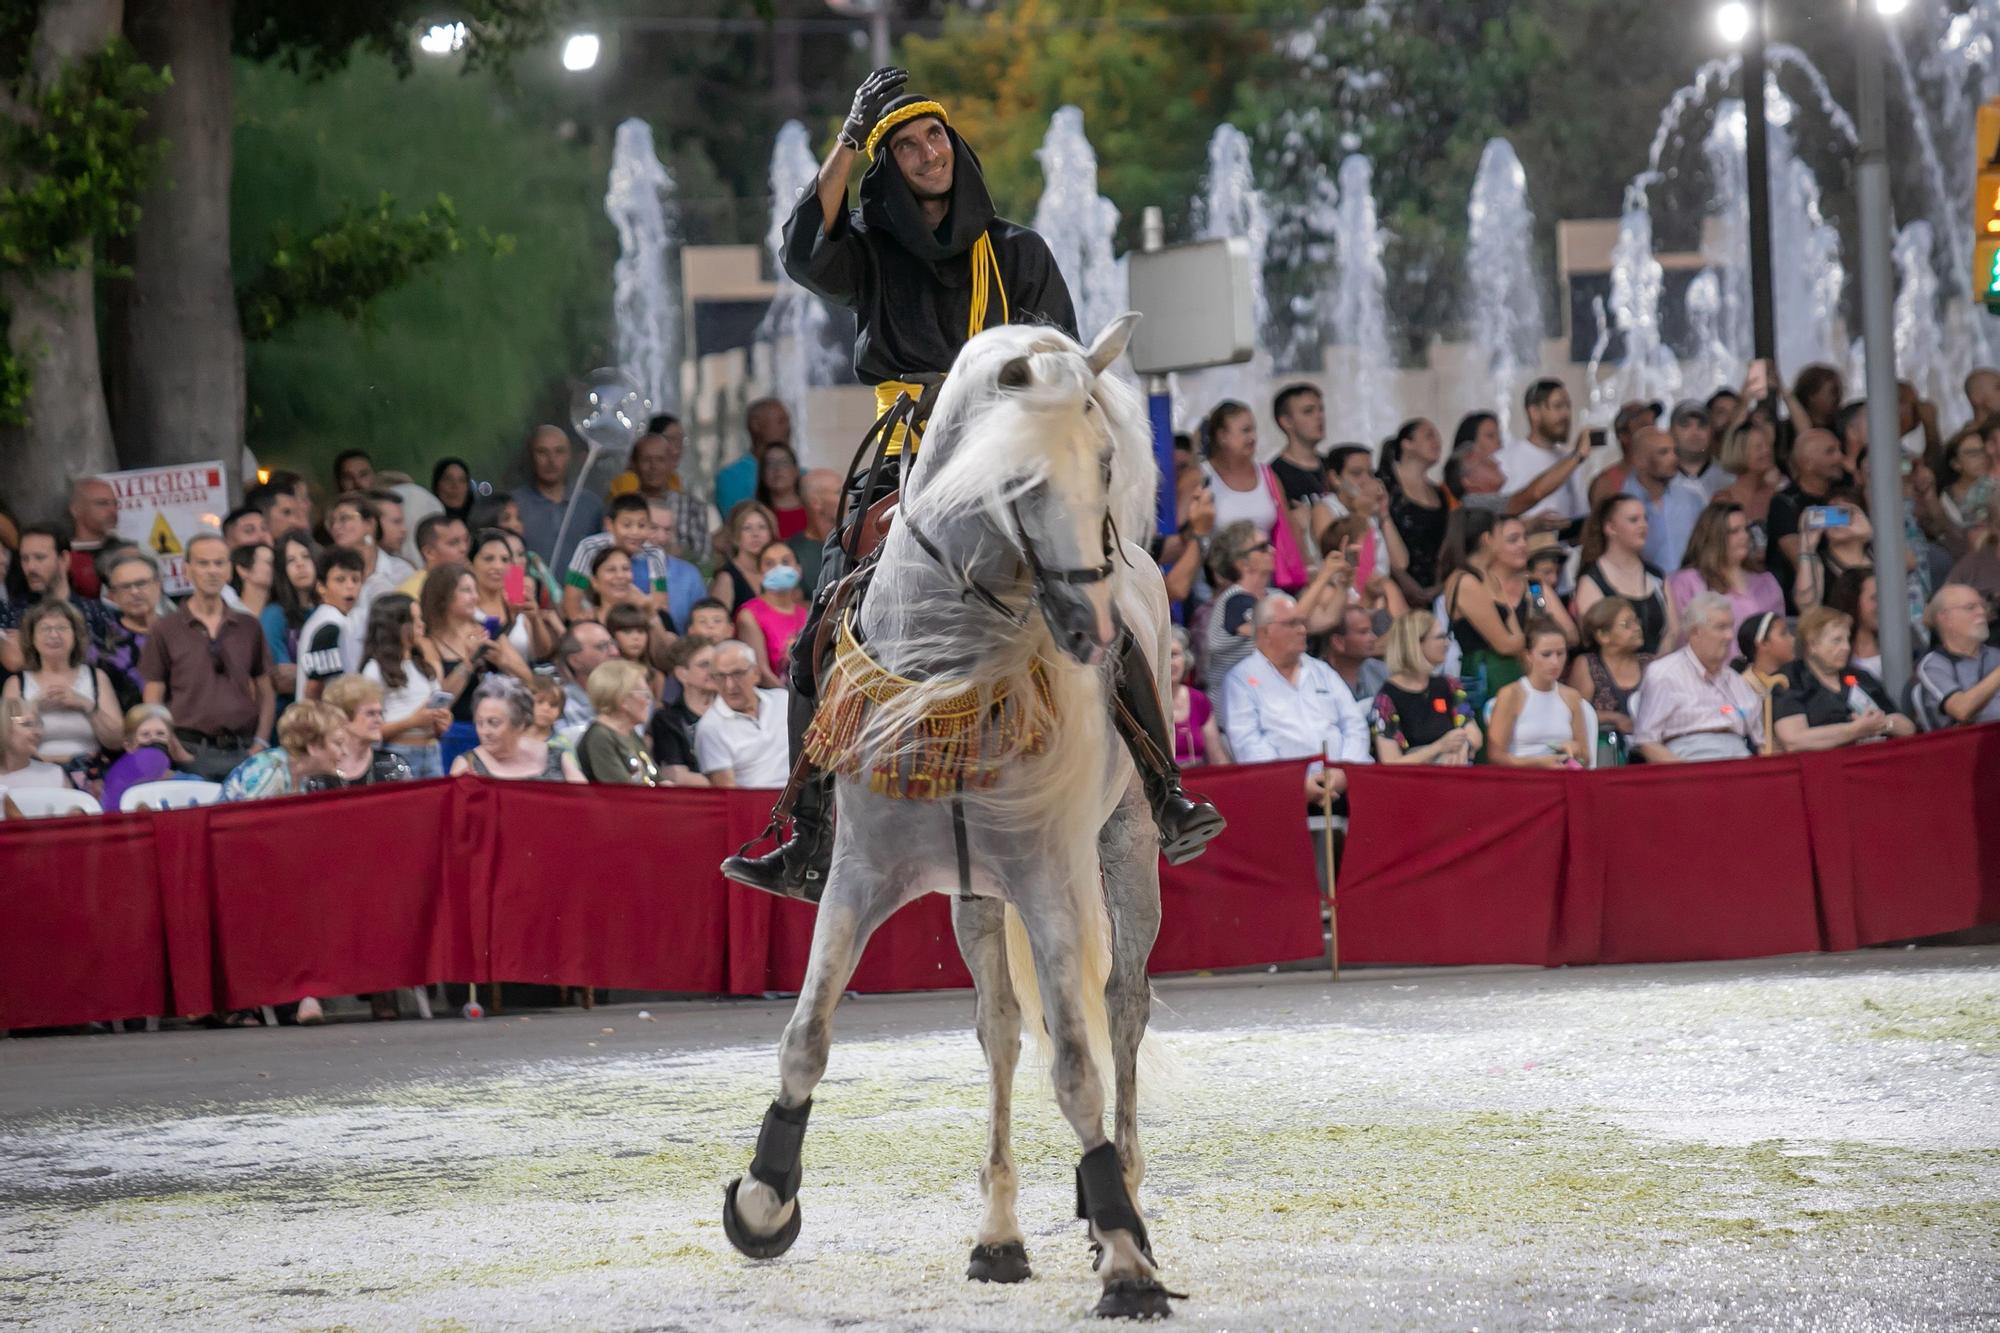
(1110, 344)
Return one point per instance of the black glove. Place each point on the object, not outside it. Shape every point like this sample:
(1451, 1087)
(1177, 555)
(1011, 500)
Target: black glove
(879, 89)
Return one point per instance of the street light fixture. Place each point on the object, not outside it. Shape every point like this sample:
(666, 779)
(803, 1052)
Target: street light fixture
(580, 51)
(1732, 21)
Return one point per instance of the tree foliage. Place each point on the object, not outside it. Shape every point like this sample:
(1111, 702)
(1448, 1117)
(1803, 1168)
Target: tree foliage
(319, 39)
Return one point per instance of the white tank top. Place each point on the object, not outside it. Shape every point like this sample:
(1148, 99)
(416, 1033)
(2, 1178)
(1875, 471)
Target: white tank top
(65, 734)
(1544, 723)
(1232, 506)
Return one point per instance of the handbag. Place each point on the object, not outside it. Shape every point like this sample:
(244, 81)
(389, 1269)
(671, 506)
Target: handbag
(1288, 566)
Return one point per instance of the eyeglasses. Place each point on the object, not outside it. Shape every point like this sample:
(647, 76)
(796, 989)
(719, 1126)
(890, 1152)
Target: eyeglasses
(133, 585)
(1260, 546)
(738, 674)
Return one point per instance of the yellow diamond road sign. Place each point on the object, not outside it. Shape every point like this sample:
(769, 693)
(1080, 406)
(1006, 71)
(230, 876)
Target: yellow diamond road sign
(161, 539)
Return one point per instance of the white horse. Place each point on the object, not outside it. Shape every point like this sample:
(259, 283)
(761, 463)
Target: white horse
(977, 676)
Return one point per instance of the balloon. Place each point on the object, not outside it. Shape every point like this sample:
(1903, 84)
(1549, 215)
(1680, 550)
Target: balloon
(608, 410)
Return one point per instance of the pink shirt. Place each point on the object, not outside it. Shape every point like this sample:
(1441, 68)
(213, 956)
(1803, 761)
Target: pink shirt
(1189, 748)
(1760, 593)
(779, 629)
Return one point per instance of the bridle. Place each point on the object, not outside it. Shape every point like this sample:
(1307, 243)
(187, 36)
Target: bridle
(1042, 576)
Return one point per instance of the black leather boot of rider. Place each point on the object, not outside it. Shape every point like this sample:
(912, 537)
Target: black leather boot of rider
(1187, 823)
(797, 867)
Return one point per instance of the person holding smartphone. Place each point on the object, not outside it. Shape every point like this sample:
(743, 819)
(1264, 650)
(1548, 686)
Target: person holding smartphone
(463, 650)
(403, 664)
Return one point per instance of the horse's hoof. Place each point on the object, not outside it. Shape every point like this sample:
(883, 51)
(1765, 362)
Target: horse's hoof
(1134, 1298)
(747, 1241)
(1006, 1262)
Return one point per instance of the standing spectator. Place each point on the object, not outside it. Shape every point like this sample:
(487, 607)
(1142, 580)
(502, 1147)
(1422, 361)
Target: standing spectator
(1768, 648)
(20, 741)
(353, 471)
(78, 707)
(308, 746)
(355, 524)
(778, 489)
(1242, 559)
(283, 511)
(1180, 556)
(1632, 418)
(252, 576)
(1477, 436)
(402, 664)
(152, 754)
(1538, 721)
(628, 527)
(463, 651)
(1417, 508)
(451, 483)
(1354, 651)
(1694, 447)
(1486, 600)
(245, 526)
(656, 463)
(502, 712)
(543, 504)
(1614, 660)
(93, 519)
(338, 575)
(442, 539)
(1673, 503)
(1853, 593)
(1420, 715)
(673, 727)
(768, 423)
(752, 527)
(1818, 470)
(44, 565)
(1979, 568)
(1300, 411)
(770, 623)
(210, 666)
(1247, 492)
(1819, 391)
(741, 741)
(1197, 734)
(1720, 558)
(362, 758)
(1691, 706)
(1750, 451)
(1475, 480)
(586, 647)
(1828, 701)
(292, 603)
(132, 584)
(821, 489)
(683, 583)
(613, 747)
(1359, 494)
(498, 563)
(1280, 703)
(1545, 447)
(1725, 414)
(1958, 681)
(1614, 564)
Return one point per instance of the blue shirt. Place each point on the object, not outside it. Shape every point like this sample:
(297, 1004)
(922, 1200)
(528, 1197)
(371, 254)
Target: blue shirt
(541, 517)
(1669, 520)
(1268, 717)
(685, 587)
(734, 484)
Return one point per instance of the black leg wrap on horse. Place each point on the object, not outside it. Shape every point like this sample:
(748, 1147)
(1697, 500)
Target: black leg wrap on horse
(777, 1161)
(1101, 1197)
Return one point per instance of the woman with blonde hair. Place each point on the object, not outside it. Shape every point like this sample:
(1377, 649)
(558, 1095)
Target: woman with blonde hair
(1829, 701)
(152, 754)
(1421, 716)
(613, 747)
(308, 746)
(363, 759)
(20, 737)
(1751, 452)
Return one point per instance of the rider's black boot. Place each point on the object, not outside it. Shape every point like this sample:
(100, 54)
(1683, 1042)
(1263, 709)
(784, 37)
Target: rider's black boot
(797, 867)
(1187, 823)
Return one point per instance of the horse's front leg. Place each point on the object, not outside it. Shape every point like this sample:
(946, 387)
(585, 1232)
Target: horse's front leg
(760, 1212)
(999, 1252)
(1128, 852)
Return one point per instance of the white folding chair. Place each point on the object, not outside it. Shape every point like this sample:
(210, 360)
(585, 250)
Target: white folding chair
(169, 795)
(43, 802)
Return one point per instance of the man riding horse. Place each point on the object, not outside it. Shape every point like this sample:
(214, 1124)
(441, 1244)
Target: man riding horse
(925, 264)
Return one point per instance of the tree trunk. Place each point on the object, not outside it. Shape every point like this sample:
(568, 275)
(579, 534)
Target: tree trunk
(52, 317)
(177, 348)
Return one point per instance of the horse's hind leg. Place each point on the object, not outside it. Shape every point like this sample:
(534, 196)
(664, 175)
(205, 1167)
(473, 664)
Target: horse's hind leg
(760, 1212)
(1000, 1253)
(1128, 853)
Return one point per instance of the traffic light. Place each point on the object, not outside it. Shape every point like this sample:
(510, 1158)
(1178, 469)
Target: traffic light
(1986, 208)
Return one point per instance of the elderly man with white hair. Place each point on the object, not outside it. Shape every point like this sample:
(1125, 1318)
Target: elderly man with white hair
(1281, 703)
(741, 741)
(1958, 681)
(1691, 706)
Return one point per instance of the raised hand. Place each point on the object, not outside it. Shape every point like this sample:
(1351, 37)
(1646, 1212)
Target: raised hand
(871, 99)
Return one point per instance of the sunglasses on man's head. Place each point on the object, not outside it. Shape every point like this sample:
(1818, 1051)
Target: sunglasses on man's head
(1260, 546)
(215, 657)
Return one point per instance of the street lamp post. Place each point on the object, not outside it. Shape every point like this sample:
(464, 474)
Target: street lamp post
(1757, 159)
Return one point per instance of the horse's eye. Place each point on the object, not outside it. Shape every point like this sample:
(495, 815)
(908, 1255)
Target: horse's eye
(1014, 375)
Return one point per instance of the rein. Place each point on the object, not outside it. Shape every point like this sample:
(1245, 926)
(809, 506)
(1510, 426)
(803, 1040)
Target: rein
(971, 589)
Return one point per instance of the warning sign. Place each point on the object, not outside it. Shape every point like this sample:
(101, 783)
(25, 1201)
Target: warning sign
(159, 508)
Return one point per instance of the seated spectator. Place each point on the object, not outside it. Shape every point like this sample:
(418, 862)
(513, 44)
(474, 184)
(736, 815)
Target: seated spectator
(210, 665)
(152, 754)
(1280, 703)
(1965, 479)
(770, 622)
(293, 601)
(338, 575)
(751, 528)
(1959, 680)
(581, 651)
(1768, 648)
(1364, 577)
(132, 585)
(20, 738)
(613, 748)
(362, 759)
(640, 639)
(1538, 721)
(1608, 671)
(464, 650)
(1241, 557)
(742, 740)
(1827, 701)
(1247, 491)
(550, 701)
(1720, 559)
(309, 743)
(78, 707)
(43, 562)
(1692, 707)
(1487, 599)
(416, 702)
(503, 711)
(1826, 554)
(1197, 734)
(1421, 716)
(1354, 651)
(1979, 567)
(711, 620)
(1854, 592)
(778, 489)
(1614, 565)
(673, 729)
(628, 527)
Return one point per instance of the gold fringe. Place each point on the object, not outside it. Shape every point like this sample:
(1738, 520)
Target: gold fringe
(960, 744)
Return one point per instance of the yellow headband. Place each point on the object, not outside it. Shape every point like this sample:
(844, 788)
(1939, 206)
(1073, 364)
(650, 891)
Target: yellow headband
(902, 115)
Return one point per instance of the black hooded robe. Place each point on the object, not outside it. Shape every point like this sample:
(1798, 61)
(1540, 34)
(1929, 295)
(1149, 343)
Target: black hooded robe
(909, 286)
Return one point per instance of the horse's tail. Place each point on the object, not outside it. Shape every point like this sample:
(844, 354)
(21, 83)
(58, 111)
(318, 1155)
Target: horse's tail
(1093, 968)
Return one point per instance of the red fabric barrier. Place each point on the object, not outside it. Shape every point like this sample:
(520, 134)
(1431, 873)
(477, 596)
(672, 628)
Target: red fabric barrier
(81, 935)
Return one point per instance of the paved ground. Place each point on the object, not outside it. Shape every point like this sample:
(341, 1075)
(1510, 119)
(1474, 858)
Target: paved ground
(1800, 1143)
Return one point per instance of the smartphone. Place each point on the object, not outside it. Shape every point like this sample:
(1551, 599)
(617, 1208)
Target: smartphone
(439, 699)
(1598, 437)
(514, 588)
(1826, 516)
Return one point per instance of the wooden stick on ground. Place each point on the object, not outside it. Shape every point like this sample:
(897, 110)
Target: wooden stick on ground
(1332, 912)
